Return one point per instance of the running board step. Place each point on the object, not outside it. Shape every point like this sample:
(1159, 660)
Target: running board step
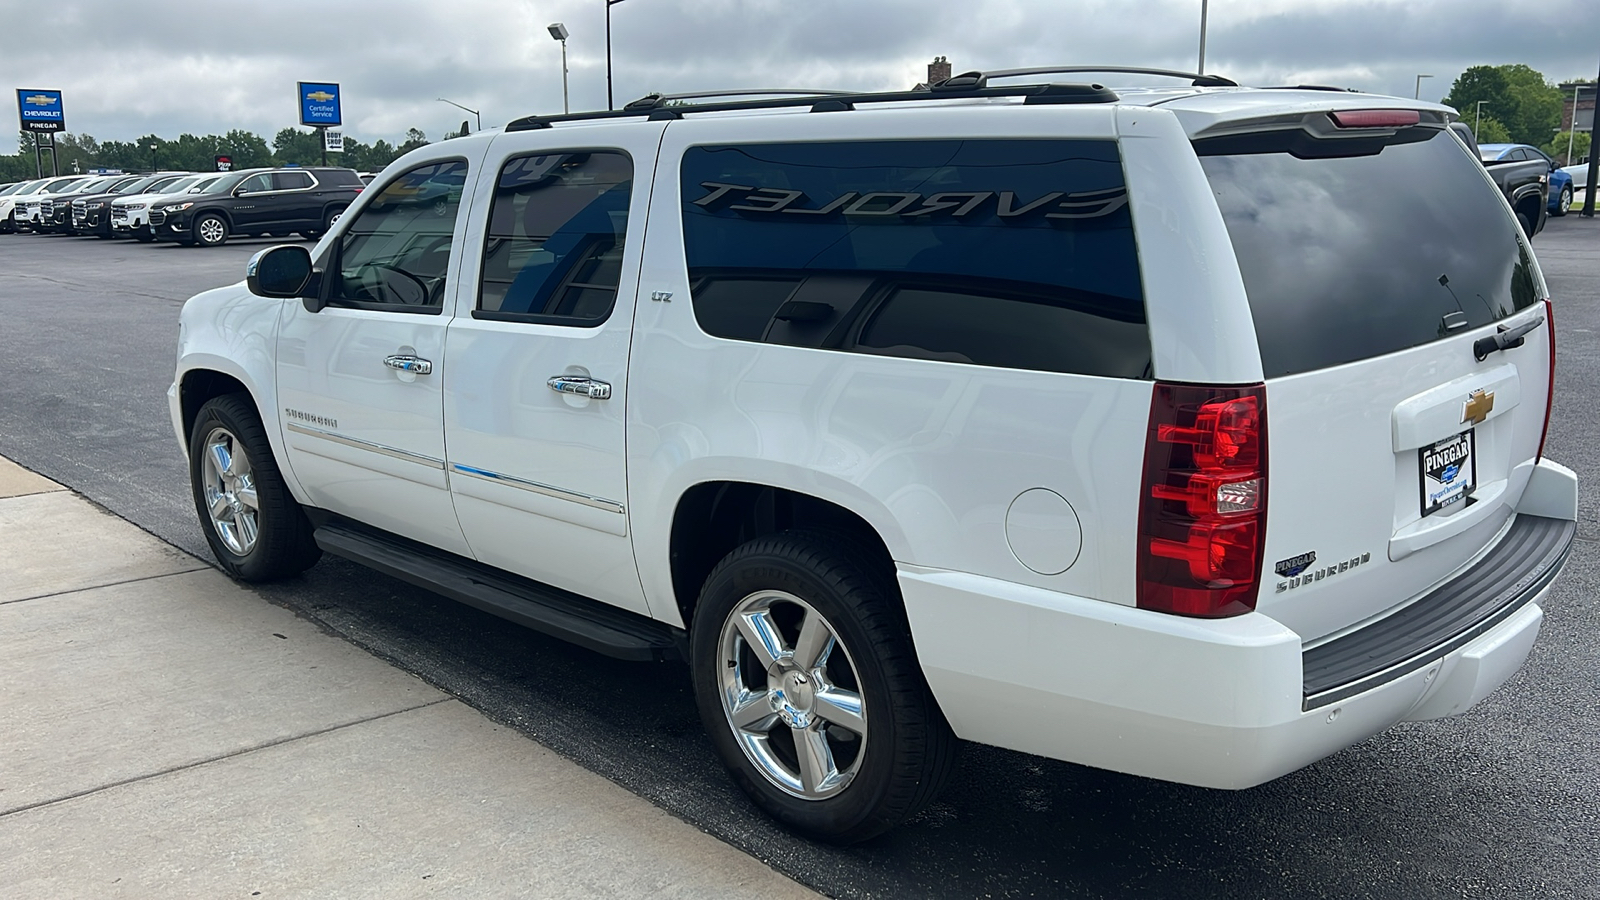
(588, 623)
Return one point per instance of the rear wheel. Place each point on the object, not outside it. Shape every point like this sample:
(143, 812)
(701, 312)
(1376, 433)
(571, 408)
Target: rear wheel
(211, 230)
(253, 524)
(807, 682)
(1564, 205)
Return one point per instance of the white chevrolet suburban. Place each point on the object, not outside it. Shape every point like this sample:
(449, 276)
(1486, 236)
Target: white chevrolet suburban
(1195, 433)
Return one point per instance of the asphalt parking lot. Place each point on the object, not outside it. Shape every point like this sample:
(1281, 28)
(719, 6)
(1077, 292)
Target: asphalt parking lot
(1497, 803)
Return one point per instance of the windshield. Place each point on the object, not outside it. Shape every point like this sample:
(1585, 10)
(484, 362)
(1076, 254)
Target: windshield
(63, 186)
(1347, 258)
(203, 184)
(12, 189)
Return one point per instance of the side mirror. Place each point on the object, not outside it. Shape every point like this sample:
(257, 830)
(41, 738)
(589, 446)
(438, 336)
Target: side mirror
(281, 272)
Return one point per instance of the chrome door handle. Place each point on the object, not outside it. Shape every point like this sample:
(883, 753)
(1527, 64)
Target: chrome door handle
(583, 387)
(416, 365)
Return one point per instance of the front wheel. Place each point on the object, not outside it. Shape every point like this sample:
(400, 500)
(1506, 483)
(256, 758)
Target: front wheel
(253, 524)
(806, 679)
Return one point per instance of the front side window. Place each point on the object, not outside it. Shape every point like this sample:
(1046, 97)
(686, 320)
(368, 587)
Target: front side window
(255, 184)
(395, 254)
(553, 252)
(1008, 253)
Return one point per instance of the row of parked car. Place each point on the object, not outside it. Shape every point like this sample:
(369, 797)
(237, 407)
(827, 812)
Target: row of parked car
(205, 208)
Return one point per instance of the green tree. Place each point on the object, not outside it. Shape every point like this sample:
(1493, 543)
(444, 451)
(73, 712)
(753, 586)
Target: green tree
(296, 147)
(1517, 96)
(414, 139)
(1557, 148)
(1490, 131)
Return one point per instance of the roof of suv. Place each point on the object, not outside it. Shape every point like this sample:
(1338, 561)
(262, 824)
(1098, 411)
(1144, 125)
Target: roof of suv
(1203, 104)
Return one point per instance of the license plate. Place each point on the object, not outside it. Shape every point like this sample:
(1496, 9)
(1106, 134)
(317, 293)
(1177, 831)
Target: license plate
(1449, 473)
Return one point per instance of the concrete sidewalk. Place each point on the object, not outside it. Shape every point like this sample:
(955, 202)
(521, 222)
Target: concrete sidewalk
(165, 732)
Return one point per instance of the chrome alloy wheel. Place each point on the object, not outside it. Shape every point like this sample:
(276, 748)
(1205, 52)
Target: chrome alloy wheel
(792, 696)
(230, 491)
(212, 230)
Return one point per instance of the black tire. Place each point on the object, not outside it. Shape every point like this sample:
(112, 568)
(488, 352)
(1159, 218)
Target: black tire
(283, 544)
(907, 749)
(1564, 202)
(1525, 224)
(210, 230)
(311, 234)
(144, 238)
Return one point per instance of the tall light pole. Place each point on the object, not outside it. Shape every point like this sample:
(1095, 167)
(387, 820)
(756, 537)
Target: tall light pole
(1417, 94)
(1477, 120)
(459, 106)
(152, 157)
(559, 32)
(1201, 69)
(610, 101)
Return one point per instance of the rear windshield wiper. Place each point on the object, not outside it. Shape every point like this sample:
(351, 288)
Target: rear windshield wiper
(1504, 339)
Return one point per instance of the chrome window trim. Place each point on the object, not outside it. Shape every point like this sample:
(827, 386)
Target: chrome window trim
(373, 446)
(538, 488)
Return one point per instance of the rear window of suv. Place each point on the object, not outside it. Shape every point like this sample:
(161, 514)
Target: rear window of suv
(1009, 253)
(1351, 257)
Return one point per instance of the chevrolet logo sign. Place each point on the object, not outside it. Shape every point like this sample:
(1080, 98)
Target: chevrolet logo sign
(1477, 408)
(319, 96)
(39, 100)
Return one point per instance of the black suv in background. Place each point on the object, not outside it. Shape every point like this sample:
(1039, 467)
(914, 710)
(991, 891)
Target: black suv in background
(255, 202)
(91, 213)
(55, 214)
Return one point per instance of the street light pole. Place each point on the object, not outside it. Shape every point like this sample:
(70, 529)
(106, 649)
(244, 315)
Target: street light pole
(1572, 124)
(1417, 94)
(1477, 120)
(459, 106)
(1201, 69)
(152, 157)
(611, 102)
(559, 32)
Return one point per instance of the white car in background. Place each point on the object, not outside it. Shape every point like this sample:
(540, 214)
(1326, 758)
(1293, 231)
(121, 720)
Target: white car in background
(130, 216)
(1580, 180)
(8, 199)
(25, 212)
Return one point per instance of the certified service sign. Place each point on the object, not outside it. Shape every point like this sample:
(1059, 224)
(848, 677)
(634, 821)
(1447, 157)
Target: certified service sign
(319, 104)
(41, 110)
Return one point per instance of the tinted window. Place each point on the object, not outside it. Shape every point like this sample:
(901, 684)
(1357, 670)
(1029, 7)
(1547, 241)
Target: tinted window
(992, 252)
(554, 247)
(1352, 257)
(290, 181)
(257, 183)
(396, 252)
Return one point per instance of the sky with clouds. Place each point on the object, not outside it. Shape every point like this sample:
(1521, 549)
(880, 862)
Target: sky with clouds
(167, 66)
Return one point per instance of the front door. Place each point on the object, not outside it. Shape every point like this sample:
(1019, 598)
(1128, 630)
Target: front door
(360, 380)
(534, 407)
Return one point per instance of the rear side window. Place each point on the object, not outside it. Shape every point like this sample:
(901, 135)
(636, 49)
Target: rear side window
(557, 225)
(1347, 258)
(1009, 253)
(290, 181)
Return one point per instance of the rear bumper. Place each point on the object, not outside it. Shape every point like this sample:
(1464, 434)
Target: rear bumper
(1223, 703)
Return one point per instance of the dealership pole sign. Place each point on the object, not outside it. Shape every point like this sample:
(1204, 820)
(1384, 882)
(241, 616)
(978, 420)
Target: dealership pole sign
(319, 105)
(40, 110)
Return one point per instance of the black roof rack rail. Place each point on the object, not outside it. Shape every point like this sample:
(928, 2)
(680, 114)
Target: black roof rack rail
(1198, 79)
(673, 106)
(1311, 87)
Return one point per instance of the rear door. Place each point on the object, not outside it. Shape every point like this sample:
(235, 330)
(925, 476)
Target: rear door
(1374, 268)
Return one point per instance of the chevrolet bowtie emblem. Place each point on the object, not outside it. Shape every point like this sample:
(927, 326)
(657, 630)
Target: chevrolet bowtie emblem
(1477, 408)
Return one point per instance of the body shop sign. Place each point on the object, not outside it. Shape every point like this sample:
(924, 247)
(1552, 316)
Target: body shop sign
(40, 110)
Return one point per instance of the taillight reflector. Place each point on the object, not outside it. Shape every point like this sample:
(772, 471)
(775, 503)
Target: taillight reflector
(1375, 118)
(1550, 390)
(1203, 506)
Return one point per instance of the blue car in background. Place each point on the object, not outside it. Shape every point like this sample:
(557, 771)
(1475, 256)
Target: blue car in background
(1560, 182)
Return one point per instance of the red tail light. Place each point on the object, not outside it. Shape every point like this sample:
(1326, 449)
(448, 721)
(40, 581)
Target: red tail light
(1550, 395)
(1375, 118)
(1203, 507)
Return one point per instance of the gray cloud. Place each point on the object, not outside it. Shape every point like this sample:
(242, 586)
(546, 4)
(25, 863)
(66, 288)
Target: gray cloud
(166, 67)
